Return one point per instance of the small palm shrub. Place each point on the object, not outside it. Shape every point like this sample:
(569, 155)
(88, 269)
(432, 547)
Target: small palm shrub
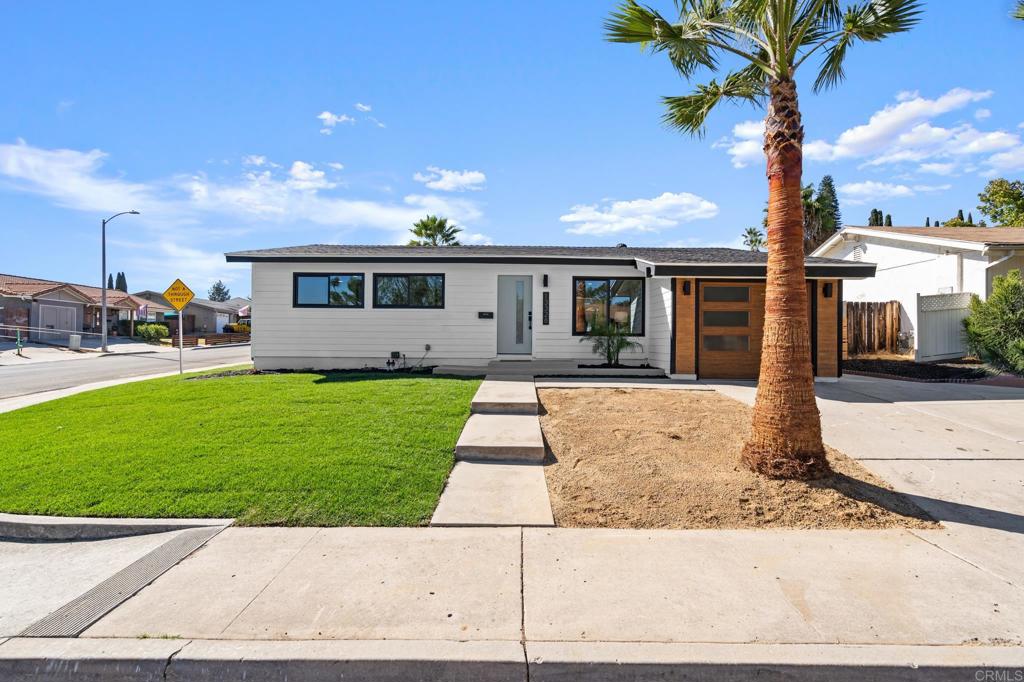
(152, 332)
(995, 327)
(608, 339)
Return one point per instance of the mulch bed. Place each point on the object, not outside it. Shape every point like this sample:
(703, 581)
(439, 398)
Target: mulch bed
(949, 372)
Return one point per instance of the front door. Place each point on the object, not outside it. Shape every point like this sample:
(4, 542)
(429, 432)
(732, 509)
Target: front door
(515, 314)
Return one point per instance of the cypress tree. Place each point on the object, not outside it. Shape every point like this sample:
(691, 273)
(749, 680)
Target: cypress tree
(888, 220)
(110, 280)
(828, 201)
(960, 215)
(970, 219)
(927, 222)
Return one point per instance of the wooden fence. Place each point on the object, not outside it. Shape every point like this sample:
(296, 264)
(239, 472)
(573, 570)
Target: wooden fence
(871, 327)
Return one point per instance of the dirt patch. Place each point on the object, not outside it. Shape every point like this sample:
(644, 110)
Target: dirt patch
(898, 368)
(647, 458)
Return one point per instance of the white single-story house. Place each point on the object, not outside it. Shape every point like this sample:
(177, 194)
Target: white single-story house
(698, 312)
(928, 270)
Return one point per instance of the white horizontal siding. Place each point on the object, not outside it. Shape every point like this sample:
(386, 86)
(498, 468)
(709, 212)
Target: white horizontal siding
(659, 319)
(356, 336)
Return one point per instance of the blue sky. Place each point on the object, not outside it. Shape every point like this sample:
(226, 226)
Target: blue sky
(257, 124)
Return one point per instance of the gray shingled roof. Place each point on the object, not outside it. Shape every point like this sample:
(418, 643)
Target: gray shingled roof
(656, 255)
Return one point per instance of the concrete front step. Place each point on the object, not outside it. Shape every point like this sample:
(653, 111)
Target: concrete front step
(506, 394)
(501, 437)
(494, 494)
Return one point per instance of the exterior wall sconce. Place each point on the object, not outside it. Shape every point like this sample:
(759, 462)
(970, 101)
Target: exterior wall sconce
(826, 289)
(686, 287)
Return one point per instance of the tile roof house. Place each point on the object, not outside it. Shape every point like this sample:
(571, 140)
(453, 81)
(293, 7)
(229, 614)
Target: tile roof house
(698, 312)
(932, 272)
(38, 306)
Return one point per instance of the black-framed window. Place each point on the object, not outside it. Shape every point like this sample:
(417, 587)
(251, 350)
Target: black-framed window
(616, 299)
(408, 290)
(328, 290)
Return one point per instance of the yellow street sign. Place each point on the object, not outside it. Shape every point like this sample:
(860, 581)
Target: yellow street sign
(178, 295)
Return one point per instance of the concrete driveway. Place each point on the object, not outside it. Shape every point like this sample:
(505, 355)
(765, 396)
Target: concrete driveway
(956, 449)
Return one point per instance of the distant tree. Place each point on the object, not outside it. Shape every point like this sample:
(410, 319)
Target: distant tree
(828, 200)
(888, 220)
(121, 283)
(1003, 202)
(970, 219)
(955, 221)
(753, 238)
(927, 222)
(960, 215)
(434, 231)
(110, 280)
(982, 223)
(218, 292)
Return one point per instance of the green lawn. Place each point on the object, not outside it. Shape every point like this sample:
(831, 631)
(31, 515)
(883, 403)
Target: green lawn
(277, 449)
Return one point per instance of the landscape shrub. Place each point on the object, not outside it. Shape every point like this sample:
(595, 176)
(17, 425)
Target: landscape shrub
(608, 339)
(995, 327)
(152, 332)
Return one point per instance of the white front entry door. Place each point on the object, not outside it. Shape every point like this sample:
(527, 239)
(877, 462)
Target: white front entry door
(515, 314)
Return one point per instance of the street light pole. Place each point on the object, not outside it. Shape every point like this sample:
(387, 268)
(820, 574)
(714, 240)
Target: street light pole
(103, 281)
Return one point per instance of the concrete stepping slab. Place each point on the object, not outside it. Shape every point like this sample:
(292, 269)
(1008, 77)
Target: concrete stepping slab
(494, 494)
(502, 437)
(506, 394)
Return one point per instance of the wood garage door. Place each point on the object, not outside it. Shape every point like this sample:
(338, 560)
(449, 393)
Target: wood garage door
(730, 327)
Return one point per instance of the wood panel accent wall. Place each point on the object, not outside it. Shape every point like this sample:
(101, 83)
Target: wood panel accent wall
(686, 358)
(828, 329)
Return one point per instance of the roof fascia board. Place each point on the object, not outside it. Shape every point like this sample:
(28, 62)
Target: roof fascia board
(966, 245)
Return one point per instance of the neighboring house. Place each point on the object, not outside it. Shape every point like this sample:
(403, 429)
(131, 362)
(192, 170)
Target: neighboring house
(931, 271)
(697, 312)
(39, 305)
(201, 316)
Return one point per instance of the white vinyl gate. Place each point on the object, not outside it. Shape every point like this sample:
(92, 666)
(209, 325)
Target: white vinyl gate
(940, 326)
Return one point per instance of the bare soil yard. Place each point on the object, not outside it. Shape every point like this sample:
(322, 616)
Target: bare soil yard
(647, 458)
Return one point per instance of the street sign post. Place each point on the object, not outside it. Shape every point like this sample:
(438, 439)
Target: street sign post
(178, 295)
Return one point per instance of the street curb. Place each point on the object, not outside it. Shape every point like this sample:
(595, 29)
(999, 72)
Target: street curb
(64, 528)
(136, 660)
(27, 400)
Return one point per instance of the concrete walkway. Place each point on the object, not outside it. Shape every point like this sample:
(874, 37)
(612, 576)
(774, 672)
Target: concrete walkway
(499, 478)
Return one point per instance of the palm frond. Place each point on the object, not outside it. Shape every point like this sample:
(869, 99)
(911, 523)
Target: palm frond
(1019, 12)
(870, 22)
(684, 41)
(688, 113)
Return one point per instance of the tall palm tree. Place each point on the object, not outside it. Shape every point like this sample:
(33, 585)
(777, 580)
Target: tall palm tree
(753, 238)
(1019, 12)
(769, 40)
(434, 231)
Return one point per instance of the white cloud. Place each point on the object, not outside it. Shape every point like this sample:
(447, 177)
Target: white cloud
(937, 168)
(305, 177)
(982, 114)
(363, 107)
(476, 238)
(1012, 160)
(451, 180)
(197, 267)
(335, 165)
(75, 180)
(71, 179)
(862, 192)
(375, 122)
(746, 145)
(254, 160)
(639, 215)
(329, 121)
(897, 129)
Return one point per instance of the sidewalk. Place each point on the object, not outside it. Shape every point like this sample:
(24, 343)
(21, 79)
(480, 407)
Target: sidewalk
(558, 603)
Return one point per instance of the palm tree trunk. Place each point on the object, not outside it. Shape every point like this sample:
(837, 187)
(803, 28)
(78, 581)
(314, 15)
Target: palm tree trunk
(786, 438)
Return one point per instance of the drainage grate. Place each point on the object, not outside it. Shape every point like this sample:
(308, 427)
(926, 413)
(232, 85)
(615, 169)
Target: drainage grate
(73, 618)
